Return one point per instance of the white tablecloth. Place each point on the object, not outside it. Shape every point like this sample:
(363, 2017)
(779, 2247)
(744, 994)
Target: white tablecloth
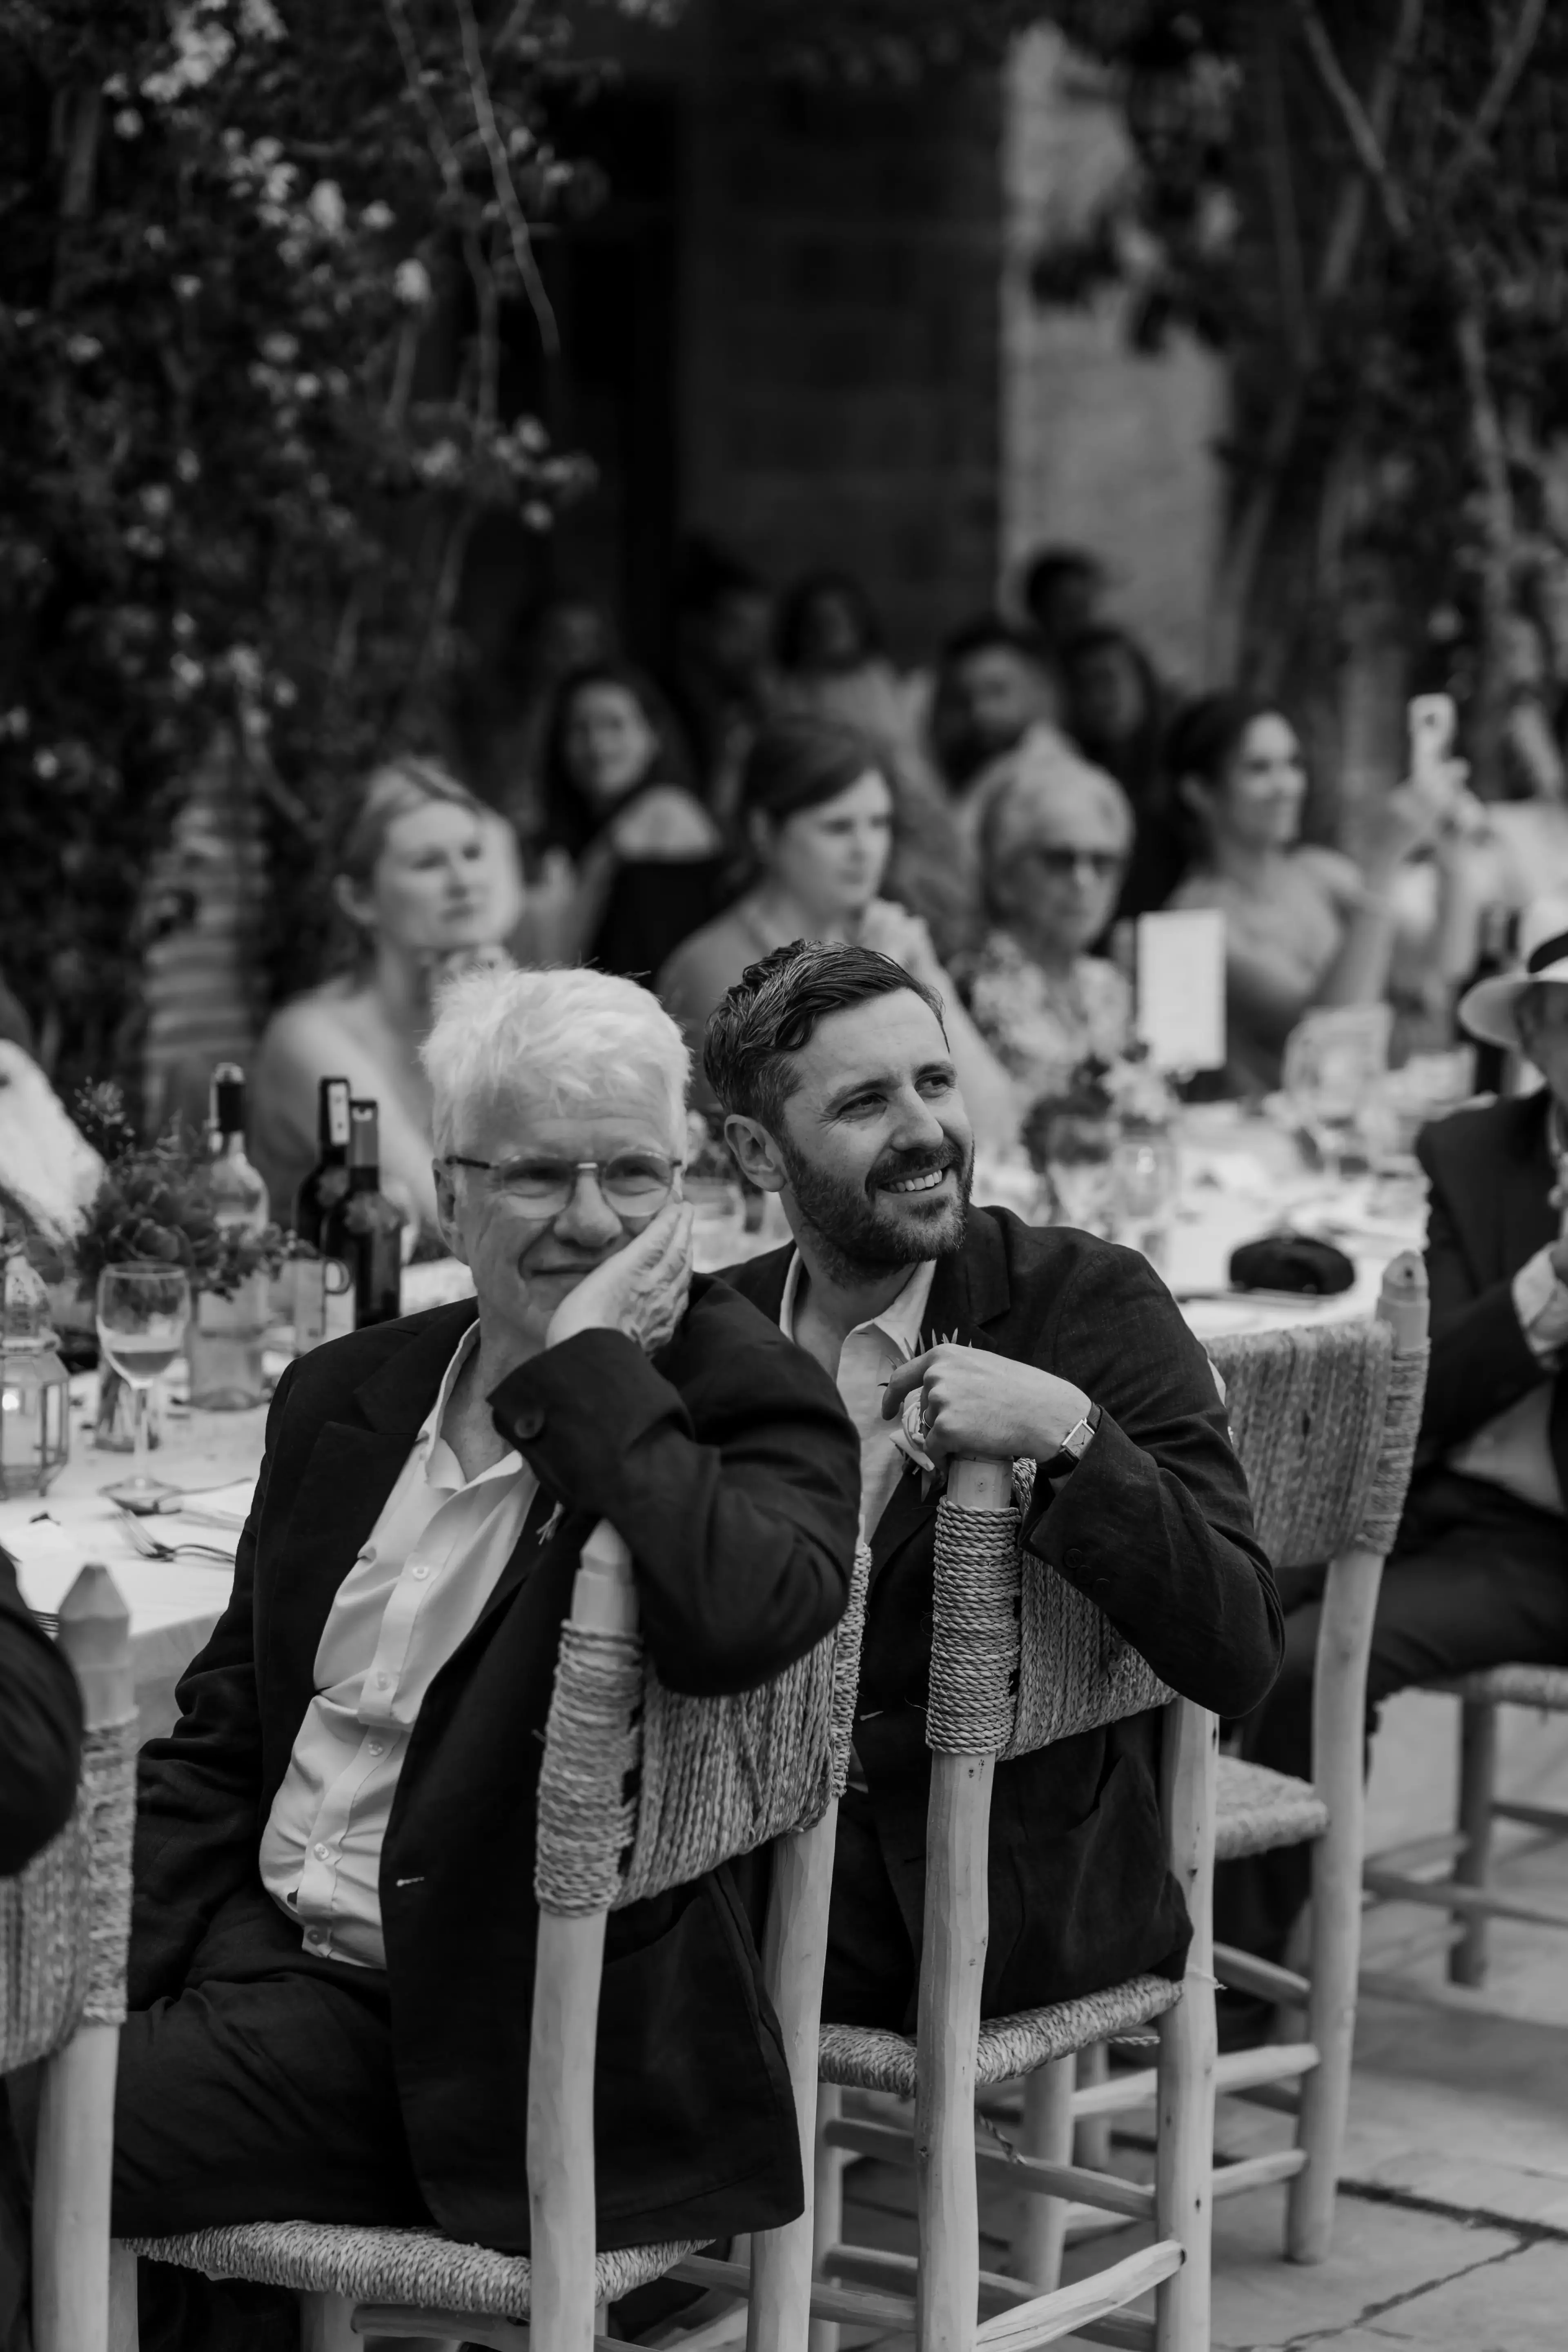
(1240, 1179)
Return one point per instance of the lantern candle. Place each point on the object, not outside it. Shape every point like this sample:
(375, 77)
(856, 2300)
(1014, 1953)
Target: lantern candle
(35, 1387)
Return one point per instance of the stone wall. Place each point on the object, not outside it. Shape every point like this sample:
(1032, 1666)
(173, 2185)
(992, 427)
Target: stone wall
(839, 336)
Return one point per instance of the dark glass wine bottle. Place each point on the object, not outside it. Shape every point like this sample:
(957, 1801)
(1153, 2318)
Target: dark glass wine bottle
(329, 1180)
(362, 1233)
(229, 1332)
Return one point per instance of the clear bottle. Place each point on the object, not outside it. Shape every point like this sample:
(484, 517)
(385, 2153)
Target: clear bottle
(226, 1337)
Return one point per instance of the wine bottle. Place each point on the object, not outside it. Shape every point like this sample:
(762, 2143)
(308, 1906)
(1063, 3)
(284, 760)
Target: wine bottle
(328, 1179)
(362, 1233)
(225, 1358)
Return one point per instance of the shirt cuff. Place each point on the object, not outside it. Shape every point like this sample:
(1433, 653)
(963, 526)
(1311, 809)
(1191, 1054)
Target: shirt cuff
(1541, 1303)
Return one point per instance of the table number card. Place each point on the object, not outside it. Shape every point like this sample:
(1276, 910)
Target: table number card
(1179, 978)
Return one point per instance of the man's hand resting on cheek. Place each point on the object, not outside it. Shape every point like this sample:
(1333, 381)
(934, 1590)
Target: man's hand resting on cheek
(640, 1291)
(985, 1404)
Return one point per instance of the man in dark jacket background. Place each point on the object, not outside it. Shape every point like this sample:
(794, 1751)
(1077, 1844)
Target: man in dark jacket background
(1479, 1574)
(334, 1933)
(1043, 1343)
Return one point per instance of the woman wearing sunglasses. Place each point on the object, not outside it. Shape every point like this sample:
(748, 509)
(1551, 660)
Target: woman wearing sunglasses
(1055, 838)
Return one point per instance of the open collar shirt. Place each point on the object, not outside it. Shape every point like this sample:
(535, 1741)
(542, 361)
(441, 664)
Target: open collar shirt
(869, 1357)
(414, 1594)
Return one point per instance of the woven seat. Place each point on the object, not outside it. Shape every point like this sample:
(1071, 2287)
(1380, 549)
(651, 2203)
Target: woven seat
(391, 2266)
(1260, 1810)
(868, 2058)
(1545, 1686)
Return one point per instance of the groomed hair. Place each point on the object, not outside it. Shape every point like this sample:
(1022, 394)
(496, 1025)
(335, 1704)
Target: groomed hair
(802, 762)
(773, 1010)
(1206, 735)
(577, 1036)
(395, 790)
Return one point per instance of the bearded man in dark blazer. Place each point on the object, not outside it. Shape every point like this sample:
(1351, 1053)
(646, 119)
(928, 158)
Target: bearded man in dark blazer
(333, 1936)
(833, 1065)
(1479, 1575)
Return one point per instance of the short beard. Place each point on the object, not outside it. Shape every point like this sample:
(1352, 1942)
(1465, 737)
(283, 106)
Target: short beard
(852, 1237)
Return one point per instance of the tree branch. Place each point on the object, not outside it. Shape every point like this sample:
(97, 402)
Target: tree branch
(441, 147)
(1499, 90)
(500, 174)
(1354, 120)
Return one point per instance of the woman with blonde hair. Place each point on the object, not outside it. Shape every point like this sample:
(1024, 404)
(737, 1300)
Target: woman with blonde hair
(1055, 836)
(427, 883)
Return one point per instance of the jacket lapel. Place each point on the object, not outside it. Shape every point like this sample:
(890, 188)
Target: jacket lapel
(1526, 1220)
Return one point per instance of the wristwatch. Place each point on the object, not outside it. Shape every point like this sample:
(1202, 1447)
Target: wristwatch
(1074, 1446)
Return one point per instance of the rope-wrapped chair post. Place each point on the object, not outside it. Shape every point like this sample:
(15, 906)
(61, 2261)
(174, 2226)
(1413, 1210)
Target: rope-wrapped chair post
(64, 1928)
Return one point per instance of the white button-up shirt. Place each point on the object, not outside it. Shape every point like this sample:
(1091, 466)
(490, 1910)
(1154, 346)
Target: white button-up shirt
(870, 1354)
(412, 1597)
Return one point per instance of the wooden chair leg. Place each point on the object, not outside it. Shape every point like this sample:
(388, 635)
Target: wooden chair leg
(124, 2327)
(1478, 1780)
(1039, 2232)
(1091, 2140)
(326, 2325)
(1184, 2158)
(70, 2210)
(795, 1952)
(826, 2205)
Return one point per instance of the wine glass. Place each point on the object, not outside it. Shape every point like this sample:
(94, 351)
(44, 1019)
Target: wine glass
(143, 1311)
(1144, 1182)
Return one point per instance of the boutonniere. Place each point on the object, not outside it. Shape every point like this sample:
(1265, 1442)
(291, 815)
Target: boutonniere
(551, 1523)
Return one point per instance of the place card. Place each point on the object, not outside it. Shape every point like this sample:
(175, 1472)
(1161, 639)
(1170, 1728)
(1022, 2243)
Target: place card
(1179, 979)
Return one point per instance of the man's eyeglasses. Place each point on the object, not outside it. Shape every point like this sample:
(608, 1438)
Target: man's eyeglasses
(1060, 864)
(635, 1183)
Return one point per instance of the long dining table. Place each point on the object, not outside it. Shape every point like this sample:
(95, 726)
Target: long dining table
(1239, 1178)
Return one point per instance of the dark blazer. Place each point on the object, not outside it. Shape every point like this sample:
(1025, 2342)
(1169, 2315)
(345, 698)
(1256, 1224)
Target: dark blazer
(1154, 1525)
(1490, 1175)
(40, 1730)
(727, 1464)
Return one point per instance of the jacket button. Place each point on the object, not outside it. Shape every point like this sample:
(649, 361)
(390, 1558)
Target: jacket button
(528, 1420)
(1073, 1557)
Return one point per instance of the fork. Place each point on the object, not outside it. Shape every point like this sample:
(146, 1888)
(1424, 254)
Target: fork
(151, 1547)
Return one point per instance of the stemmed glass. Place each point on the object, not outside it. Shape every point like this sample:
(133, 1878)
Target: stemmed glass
(143, 1311)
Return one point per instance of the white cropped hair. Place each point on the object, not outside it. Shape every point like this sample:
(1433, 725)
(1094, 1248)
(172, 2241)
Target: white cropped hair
(577, 1037)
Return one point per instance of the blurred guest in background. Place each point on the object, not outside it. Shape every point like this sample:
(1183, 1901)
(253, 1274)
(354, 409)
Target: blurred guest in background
(992, 684)
(568, 634)
(427, 884)
(1062, 589)
(1476, 1578)
(725, 677)
(817, 816)
(1304, 926)
(1055, 843)
(634, 862)
(1113, 707)
(833, 665)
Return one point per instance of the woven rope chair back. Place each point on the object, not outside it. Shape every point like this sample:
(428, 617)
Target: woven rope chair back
(65, 1920)
(1019, 1656)
(643, 1789)
(1324, 1421)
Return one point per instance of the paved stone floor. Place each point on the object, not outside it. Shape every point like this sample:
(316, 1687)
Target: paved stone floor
(1452, 2227)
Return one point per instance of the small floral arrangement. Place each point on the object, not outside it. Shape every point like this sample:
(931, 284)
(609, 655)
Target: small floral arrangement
(154, 1205)
(1123, 1094)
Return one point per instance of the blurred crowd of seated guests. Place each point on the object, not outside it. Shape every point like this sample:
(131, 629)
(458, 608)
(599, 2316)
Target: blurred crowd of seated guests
(988, 820)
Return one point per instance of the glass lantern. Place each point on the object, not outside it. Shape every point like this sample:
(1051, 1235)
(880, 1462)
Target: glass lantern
(35, 1387)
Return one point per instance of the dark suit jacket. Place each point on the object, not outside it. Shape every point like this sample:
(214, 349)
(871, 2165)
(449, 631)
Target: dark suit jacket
(730, 1468)
(1490, 1175)
(1154, 1525)
(40, 1730)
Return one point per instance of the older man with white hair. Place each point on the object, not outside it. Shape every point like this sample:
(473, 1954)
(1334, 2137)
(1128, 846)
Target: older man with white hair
(333, 1936)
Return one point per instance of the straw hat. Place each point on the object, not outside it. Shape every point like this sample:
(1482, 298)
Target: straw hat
(1490, 1010)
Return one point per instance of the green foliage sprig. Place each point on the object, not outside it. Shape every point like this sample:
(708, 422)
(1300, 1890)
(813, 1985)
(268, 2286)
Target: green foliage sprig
(154, 1207)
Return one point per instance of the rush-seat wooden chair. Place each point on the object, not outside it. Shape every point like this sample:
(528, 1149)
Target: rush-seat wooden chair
(714, 1779)
(1324, 1421)
(64, 1922)
(1469, 1894)
(1020, 1658)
